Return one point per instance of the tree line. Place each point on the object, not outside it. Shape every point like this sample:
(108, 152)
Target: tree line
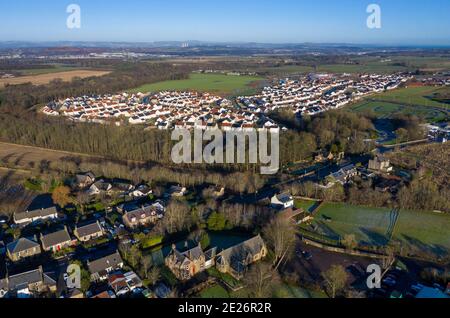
(125, 76)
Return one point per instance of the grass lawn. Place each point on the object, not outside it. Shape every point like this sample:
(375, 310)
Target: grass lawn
(418, 228)
(421, 95)
(215, 291)
(217, 83)
(283, 291)
(306, 205)
(230, 280)
(49, 70)
(370, 225)
(386, 109)
(286, 291)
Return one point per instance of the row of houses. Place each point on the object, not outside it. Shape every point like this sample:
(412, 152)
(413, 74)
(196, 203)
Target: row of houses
(311, 95)
(171, 109)
(24, 247)
(36, 282)
(92, 186)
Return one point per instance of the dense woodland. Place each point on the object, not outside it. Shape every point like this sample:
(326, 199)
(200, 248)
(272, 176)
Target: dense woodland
(343, 130)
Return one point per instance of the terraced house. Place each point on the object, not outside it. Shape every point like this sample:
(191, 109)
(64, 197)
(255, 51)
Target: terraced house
(22, 248)
(35, 215)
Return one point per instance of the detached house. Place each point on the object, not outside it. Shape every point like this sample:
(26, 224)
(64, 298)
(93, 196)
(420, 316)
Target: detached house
(84, 180)
(188, 264)
(56, 241)
(118, 283)
(141, 191)
(100, 268)
(282, 201)
(141, 217)
(35, 215)
(28, 284)
(100, 187)
(177, 191)
(236, 259)
(380, 164)
(89, 232)
(22, 248)
(343, 176)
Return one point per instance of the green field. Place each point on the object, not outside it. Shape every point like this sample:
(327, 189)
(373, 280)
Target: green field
(413, 96)
(285, 70)
(371, 226)
(386, 109)
(412, 100)
(371, 67)
(284, 291)
(306, 205)
(217, 83)
(50, 70)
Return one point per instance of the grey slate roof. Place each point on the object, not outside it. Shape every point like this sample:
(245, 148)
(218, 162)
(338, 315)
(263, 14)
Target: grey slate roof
(103, 263)
(82, 178)
(210, 254)
(191, 255)
(89, 229)
(148, 211)
(22, 280)
(55, 238)
(237, 256)
(22, 244)
(194, 253)
(35, 213)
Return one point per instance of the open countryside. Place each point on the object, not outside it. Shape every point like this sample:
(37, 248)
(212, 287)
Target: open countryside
(46, 78)
(217, 83)
(419, 101)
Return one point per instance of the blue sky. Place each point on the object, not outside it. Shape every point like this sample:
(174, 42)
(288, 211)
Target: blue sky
(424, 22)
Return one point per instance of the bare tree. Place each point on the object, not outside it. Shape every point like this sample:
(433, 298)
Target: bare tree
(154, 275)
(134, 256)
(335, 280)
(146, 262)
(82, 199)
(260, 280)
(387, 261)
(280, 235)
(176, 218)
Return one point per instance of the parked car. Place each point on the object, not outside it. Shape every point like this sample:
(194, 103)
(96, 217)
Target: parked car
(307, 255)
(389, 282)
